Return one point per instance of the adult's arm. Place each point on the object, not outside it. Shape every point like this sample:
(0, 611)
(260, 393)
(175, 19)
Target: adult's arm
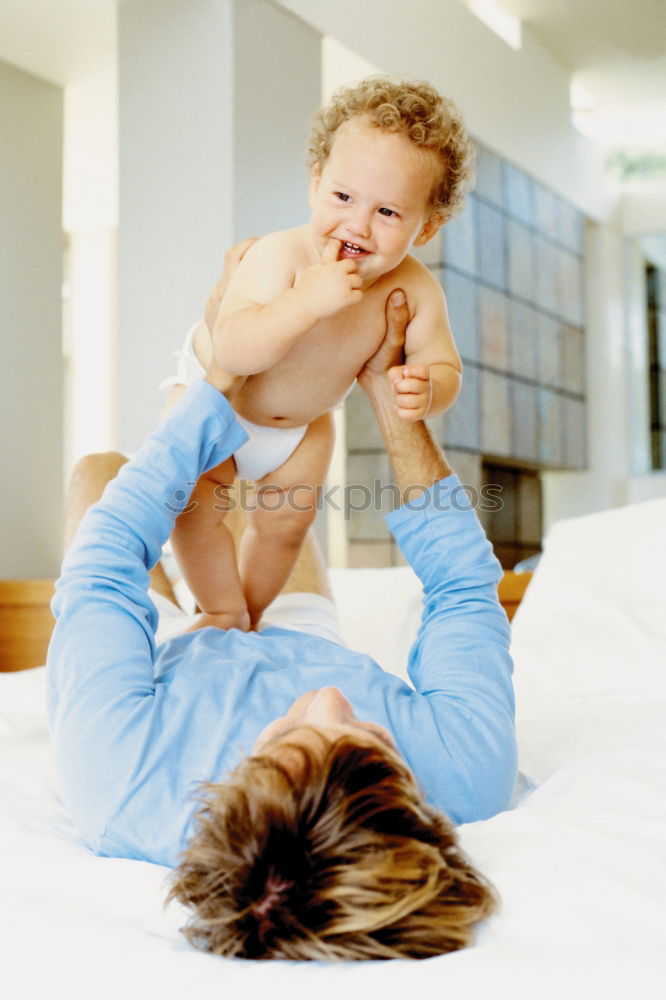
(100, 685)
(460, 661)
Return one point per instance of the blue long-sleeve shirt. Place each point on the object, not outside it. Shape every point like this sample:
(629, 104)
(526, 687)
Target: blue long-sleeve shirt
(137, 727)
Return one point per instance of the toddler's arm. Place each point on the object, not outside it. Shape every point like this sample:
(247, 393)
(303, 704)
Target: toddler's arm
(267, 307)
(429, 381)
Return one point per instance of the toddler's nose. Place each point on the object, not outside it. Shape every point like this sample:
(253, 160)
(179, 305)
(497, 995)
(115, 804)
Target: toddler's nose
(358, 222)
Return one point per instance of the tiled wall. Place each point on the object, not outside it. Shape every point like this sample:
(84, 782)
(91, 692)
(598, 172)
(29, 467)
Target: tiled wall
(512, 269)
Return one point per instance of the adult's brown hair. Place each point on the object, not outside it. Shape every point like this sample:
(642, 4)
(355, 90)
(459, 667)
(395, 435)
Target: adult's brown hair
(326, 855)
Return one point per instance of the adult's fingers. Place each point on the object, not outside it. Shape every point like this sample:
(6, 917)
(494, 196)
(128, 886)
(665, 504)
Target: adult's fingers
(235, 254)
(397, 314)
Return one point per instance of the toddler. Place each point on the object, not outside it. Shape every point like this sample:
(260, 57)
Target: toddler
(302, 314)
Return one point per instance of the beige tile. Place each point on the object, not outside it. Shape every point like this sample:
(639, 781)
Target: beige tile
(547, 282)
(461, 422)
(491, 245)
(571, 288)
(369, 494)
(571, 227)
(545, 210)
(573, 360)
(522, 337)
(549, 350)
(461, 299)
(550, 427)
(362, 554)
(518, 187)
(467, 466)
(520, 250)
(524, 417)
(361, 427)
(459, 239)
(495, 414)
(575, 434)
(489, 181)
(493, 328)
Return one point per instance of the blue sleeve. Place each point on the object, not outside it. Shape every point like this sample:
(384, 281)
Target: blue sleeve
(460, 660)
(100, 663)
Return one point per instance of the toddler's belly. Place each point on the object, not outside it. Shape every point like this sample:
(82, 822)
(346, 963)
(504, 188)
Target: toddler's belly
(281, 403)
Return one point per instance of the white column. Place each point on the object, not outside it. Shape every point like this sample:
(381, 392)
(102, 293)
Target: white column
(90, 213)
(214, 106)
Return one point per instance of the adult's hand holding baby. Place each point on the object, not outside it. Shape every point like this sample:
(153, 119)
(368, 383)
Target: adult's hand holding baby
(411, 385)
(390, 354)
(232, 259)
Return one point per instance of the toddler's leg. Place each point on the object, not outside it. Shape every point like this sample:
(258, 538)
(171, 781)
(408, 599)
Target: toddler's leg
(204, 548)
(286, 507)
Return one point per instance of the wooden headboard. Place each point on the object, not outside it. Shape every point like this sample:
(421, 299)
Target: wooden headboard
(511, 589)
(26, 621)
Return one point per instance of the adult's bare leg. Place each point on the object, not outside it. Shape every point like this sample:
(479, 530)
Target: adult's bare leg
(88, 481)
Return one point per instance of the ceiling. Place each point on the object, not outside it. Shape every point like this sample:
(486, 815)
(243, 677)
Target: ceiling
(56, 39)
(616, 51)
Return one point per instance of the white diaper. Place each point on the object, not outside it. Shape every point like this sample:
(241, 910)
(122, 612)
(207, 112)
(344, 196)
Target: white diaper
(266, 448)
(188, 366)
(301, 612)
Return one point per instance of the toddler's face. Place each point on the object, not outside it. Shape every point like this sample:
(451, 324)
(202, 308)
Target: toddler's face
(372, 194)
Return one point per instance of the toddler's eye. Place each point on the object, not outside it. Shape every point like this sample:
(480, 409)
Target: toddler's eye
(342, 196)
(388, 212)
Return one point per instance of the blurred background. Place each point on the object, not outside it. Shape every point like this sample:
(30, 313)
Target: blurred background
(140, 138)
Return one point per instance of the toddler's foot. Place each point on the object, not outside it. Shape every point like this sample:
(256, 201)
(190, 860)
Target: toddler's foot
(223, 620)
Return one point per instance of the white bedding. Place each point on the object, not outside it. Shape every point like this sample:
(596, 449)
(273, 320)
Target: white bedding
(580, 863)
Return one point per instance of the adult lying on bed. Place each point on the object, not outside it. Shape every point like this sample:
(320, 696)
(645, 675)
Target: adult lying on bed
(328, 832)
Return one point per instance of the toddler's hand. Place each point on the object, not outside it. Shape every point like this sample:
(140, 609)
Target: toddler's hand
(412, 390)
(332, 284)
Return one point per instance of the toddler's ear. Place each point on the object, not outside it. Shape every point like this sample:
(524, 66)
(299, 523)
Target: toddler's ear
(315, 177)
(430, 228)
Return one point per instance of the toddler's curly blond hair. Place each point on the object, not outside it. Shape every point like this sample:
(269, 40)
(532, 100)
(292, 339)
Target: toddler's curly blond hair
(414, 108)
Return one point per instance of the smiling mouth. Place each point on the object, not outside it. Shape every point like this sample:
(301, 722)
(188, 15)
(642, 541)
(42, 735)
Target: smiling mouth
(352, 250)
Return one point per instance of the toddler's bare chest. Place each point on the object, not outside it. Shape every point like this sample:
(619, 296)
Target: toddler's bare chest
(342, 343)
(319, 369)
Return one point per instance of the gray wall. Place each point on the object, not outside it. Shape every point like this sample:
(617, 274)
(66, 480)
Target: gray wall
(175, 152)
(277, 89)
(31, 250)
(214, 98)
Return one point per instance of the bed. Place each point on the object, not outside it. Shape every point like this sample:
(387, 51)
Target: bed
(579, 861)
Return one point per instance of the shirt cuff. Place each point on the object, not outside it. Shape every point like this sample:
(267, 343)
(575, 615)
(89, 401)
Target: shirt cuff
(446, 494)
(203, 413)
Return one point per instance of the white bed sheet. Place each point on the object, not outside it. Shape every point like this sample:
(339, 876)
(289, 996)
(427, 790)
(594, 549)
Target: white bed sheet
(580, 863)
